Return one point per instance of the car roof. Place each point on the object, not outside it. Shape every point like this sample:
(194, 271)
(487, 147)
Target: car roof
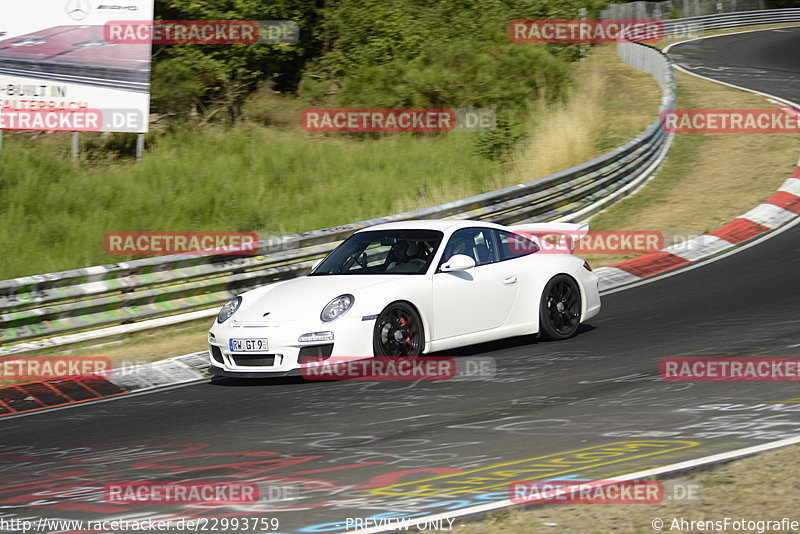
(442, 225)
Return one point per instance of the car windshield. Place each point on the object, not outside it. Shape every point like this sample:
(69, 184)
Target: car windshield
(383, 252)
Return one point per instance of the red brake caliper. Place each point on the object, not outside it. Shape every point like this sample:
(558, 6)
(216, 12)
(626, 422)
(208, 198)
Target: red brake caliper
(403, 322)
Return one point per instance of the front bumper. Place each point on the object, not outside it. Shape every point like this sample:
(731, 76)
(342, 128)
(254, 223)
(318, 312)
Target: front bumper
(213, 370)
(352, 337)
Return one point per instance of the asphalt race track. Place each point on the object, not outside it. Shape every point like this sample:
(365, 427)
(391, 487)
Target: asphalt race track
(588, 408)
(767, 61)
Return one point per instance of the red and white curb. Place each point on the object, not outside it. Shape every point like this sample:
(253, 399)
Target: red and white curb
(37, 396)
(778, 210)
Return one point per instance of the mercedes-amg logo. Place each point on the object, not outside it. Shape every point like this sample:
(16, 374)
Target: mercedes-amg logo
(78, 9)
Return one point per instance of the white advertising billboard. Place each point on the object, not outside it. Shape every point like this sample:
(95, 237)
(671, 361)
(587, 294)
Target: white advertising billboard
(59, 72)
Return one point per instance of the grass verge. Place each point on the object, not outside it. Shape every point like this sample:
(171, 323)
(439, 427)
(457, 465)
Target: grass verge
(706, 179)
(595, 118)
(243, 178)
(762, 487)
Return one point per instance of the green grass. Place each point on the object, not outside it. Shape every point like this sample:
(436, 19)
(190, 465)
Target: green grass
(244, 178)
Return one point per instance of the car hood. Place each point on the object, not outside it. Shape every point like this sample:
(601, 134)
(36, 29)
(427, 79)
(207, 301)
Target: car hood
(304, 297)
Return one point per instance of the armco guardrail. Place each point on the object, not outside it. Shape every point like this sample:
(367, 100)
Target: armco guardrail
(723, 21)
(688, 8)
(50, 309)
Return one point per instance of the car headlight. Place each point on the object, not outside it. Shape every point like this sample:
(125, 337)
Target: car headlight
(229, 309)
(337, 307)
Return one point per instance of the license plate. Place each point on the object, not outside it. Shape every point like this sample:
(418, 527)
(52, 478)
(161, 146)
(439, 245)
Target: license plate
(248, 345)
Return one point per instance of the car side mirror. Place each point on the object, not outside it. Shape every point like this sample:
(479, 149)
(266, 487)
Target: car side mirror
(459, 262)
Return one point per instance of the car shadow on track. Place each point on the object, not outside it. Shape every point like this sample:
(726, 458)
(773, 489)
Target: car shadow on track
(471, 350)
(228, 381)
(508, 343)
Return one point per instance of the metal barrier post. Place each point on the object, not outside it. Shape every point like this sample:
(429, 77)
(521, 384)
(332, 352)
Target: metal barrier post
(75, 146)
(582, 14)
(139, 147)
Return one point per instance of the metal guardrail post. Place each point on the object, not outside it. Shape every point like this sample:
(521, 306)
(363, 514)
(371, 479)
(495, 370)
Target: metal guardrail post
(139, 147)
(75, 146)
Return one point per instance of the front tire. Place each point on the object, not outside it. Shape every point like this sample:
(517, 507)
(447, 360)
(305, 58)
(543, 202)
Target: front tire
(398, 332)
(560, 308)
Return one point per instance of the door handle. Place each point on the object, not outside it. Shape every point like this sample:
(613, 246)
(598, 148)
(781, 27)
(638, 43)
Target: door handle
(510, 280)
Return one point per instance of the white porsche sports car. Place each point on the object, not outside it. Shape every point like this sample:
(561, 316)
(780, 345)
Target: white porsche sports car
(404, 289)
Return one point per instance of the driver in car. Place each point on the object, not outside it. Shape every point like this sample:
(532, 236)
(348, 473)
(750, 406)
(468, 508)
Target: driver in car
(405, 259)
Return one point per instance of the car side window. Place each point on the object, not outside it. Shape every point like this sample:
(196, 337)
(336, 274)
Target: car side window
(515, 245)
(477, 243)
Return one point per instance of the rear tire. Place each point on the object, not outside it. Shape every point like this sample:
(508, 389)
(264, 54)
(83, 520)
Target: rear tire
(560, 308)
